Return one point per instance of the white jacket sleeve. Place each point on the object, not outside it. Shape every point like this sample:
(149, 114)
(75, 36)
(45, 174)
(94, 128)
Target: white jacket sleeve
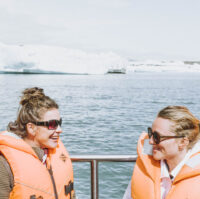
(127, 194)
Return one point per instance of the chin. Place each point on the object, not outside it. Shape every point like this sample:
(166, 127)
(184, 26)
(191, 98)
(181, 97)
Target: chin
(52, 145)
(157, 157)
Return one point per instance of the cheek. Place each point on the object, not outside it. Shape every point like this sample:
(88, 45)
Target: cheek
(171, 148)
(167, 145)
(43, 134)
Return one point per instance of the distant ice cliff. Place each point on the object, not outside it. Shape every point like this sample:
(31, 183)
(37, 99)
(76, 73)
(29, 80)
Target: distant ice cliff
(163, 66)
(51, 59)
(58, 60)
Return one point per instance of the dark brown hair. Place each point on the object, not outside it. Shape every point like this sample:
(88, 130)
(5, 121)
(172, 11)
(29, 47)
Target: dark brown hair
(33, 105)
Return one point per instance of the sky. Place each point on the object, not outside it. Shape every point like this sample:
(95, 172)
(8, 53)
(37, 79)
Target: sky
(146, 29)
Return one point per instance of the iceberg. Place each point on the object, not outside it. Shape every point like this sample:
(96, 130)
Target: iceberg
(41, 59)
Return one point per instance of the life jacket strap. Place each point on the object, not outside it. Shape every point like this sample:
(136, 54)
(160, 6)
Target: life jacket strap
(34, 197)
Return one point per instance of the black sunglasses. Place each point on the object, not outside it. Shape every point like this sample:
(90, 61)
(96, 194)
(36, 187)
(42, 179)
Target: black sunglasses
(51, 124)
(159, 138)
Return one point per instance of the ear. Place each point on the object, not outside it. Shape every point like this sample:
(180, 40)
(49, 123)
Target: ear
(184, 142)
(31, 129)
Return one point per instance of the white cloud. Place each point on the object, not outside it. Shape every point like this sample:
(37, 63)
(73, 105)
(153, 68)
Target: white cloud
(131, 26)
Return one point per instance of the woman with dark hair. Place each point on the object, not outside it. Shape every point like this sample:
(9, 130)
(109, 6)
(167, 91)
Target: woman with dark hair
(34, 163)
(168, 163)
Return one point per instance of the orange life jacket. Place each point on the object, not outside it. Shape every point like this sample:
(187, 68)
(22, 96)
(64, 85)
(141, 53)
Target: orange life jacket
(32, 179)
(146, 180)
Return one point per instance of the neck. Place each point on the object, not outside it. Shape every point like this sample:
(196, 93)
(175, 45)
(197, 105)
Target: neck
(173, 162)
(30, 142)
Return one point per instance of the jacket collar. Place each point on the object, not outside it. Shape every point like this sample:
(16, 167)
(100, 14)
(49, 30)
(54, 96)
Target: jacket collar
(12, 140)
(144, 150)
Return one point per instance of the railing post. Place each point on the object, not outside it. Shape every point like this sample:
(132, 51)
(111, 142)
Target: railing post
(94, 179)
(94, 160)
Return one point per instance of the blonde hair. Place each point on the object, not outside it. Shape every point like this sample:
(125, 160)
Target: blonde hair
(185, 123)
(33, 104)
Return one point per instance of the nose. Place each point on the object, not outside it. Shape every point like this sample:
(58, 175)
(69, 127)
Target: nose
(151, 141)
(59, 129)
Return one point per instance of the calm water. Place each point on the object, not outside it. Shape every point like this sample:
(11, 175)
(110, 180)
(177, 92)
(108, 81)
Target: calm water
(104, 114)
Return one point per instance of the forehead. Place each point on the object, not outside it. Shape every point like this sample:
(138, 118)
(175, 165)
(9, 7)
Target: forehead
(162, 126)
(52, 114)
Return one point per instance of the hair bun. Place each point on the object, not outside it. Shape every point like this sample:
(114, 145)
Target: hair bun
(31, 94)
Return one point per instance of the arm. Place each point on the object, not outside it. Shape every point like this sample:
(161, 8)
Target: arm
(6, 178)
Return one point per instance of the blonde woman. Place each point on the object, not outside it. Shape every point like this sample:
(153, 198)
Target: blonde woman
(168, 163)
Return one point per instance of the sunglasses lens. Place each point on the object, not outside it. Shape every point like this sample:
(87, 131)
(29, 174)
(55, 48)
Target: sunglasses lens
(53, 124)
(156, 137)
(149, 132)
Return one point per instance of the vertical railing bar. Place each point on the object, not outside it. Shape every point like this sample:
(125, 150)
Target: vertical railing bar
(97, 179)
(92, 180)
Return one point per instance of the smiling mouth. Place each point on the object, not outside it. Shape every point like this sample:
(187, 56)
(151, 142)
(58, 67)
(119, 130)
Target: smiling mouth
(156, 149)
(54, 138)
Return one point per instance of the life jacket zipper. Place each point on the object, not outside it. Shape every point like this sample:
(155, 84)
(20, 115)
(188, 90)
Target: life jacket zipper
(53, 182)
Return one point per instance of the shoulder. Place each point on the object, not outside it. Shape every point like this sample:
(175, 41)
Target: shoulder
(6, 178)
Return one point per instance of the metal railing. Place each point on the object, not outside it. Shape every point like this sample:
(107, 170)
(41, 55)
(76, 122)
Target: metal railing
(94, 160)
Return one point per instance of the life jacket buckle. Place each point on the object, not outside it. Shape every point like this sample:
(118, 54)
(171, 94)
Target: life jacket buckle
(69, 188)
